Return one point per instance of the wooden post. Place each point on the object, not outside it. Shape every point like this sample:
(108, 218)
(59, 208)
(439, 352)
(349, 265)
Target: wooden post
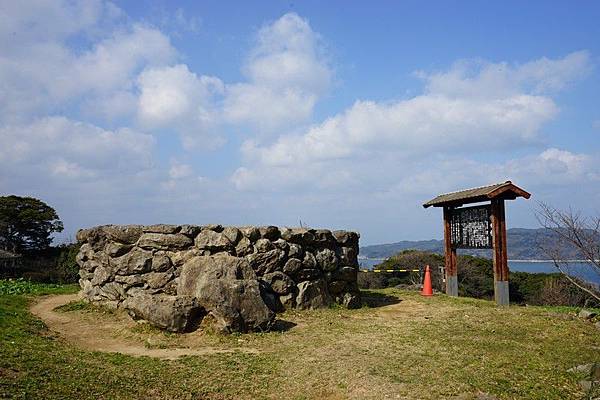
(500, 253)
(450, 257)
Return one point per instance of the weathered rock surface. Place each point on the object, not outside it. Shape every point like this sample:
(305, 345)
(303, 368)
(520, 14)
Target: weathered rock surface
(173, 313)
(264, 263)
(312, 294)
(211, 240)
(161, 228)
(164, 241)
(203, 268)
(237, 305)
(227, 288)
(136, 261)
(327, 260)
(279, 282)
(175, 275)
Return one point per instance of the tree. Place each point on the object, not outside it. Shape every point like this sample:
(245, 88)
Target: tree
(571, 229)
(26, 223)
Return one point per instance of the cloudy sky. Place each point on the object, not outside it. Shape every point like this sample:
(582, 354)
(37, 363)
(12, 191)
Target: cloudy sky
(339, 115)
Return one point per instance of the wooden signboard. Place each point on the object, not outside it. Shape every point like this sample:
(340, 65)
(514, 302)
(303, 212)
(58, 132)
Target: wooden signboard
(471, 227)
(478, 227)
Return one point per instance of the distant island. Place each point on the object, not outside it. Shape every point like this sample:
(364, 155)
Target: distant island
(523, 244)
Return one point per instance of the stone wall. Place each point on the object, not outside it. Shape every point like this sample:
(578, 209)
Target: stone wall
(179, 276)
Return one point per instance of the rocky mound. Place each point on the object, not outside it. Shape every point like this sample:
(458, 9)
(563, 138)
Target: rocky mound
(174, 276)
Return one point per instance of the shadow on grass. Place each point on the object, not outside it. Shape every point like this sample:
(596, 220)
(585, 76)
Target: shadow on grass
(377, 299)
(282, 326)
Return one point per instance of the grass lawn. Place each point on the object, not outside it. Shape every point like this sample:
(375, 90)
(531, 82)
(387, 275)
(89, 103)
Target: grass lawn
(417, 348)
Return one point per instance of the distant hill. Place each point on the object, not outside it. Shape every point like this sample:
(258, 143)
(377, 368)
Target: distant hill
(522, 245)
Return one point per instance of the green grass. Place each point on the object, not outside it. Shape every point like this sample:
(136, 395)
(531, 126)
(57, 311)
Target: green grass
(22, 286)
(77, 305)
(419, 348)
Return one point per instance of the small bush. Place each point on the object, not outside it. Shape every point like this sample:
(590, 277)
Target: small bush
(372, 280)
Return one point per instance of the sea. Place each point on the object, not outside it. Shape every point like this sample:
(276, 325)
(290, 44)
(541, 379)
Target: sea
(581, 269)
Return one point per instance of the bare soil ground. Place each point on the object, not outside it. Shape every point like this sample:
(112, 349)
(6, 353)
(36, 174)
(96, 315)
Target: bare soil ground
(113, 332)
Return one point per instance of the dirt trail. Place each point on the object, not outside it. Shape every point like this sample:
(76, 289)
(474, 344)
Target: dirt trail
(105, 334)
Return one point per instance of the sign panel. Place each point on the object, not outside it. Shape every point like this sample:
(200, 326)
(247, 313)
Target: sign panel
(471, 227)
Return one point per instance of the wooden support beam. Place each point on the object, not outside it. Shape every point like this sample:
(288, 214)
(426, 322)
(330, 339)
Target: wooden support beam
(500, 254)
(450, 257)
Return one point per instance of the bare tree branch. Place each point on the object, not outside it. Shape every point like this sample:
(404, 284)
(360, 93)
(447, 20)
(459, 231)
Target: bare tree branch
(582, 234)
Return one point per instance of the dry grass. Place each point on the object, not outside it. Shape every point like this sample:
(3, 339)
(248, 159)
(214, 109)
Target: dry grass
(418, 348)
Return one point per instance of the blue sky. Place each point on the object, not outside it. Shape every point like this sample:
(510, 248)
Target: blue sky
(344, 115)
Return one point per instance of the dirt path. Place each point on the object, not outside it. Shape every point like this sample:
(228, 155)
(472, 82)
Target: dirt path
(106, 334)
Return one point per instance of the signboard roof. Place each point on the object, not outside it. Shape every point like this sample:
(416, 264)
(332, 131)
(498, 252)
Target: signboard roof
(506, 190)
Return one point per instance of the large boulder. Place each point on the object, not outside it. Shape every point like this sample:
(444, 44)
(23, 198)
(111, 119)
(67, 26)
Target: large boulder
(190, 230)
(301, 236)
(348, 256)
(115, 249)
(112, 291)
(346, 238)
(236, 305)
(323, 236)
(161, 228)
(214, 241)
(212, 268)
(101, 276)
(263, 263)
(269, 232)
(312, 294)
(128, 234)
(157, 280)
(327, 260)
(251, 232)
(227, 288)
(264, 245)
(244, 247)
(292, 266)
(173, 313)
(137, 261)
(160, 262)
(163, 241)
(233, 234)
(295, 251)
(279, 282)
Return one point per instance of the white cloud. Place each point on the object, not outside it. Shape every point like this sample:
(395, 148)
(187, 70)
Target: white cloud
(288, 54)
(287, 73)
(491, 109)
(73, 149)
(554, 167)
(41, 73)
(180, 171)
(174, 95)
(478, 78)
(50, 19)
(412, 127)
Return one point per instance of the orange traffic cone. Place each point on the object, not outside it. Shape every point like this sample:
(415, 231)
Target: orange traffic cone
(427, 290)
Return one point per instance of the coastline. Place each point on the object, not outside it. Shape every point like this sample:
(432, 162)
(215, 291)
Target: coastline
(515, 260)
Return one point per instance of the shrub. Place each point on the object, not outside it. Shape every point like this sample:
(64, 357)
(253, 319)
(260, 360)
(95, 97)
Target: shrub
(66, 264)
(51, 265)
